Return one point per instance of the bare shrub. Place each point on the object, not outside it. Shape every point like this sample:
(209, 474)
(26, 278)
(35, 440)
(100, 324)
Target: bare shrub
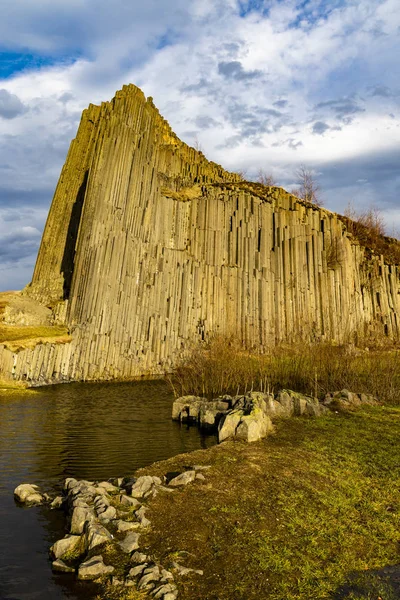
(223, 365)
(334, 254)
(368, 227)
(265, 178)
(307, 187)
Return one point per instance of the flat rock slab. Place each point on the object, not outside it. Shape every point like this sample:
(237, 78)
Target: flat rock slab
(94, 568)
(60, 566)
(183, 479)
(126, 526)
(130, 543)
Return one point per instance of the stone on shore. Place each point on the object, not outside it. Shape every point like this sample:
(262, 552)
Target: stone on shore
(60, 566)
(183, 479)
(94, 568)
(228, 425)
(130, 543)
(96, 535)
(27, 493)
(80, 516)
(69, 543)
(143, 485)
(123, 526)
(129, 501)
(254, 427)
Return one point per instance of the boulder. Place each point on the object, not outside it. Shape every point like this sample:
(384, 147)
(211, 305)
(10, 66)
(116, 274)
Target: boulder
(150, 574)
(208, 418)
(229, 424)
(254, 427)
(138, 570)
(129, 501)
(183, 479)
(368, 399)
(27, 493)
(96, 535)
(94, 568)
(286, 401)
(57, 502)
(123, 526)
(182, 571)
(109, 514)
(130, 543)
(79, 517)
(139, 558)
(143, 485)
(299, 405)
(60, 566)
(187, 408)
(141, 516)
(108, 487)
(168, 589)
(69, 543)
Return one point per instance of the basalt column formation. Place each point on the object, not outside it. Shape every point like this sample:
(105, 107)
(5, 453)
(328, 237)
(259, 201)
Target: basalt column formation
(149, 248)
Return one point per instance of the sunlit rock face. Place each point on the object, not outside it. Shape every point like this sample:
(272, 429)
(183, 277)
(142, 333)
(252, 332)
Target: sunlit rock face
(149, 247)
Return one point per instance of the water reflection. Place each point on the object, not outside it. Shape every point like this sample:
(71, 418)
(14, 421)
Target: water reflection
(91, 431)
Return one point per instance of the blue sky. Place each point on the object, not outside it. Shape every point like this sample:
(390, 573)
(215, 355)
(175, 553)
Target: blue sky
(258, 84)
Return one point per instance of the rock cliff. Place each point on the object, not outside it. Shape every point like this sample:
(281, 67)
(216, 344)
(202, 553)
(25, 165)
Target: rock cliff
(149, 247)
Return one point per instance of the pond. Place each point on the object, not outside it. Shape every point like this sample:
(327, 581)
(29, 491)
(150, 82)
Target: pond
(86, 431)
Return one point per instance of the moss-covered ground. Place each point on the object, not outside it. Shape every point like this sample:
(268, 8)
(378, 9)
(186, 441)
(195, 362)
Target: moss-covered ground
(310, 513)
(20, 337)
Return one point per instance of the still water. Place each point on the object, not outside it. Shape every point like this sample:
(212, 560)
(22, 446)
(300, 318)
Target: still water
(87, 431)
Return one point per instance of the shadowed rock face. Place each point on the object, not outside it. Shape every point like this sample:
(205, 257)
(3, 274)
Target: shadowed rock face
(148, 246)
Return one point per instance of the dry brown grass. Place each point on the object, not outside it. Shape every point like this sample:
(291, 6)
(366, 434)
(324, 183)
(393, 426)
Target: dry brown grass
(223, 366)
(369, 229)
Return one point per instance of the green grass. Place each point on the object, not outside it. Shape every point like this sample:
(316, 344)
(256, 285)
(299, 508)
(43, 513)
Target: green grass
(311, 513)
(19, 337)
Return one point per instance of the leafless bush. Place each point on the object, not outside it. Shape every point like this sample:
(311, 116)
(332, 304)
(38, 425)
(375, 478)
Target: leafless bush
(223, 366)
(265, 178)
(307, 187)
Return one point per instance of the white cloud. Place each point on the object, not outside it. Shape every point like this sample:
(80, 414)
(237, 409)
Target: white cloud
(285, 86)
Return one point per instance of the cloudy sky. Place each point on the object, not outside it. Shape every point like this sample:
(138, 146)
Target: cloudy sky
(256, 83)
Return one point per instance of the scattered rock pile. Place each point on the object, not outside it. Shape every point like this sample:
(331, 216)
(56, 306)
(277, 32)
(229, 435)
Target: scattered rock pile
(249, 417)
(105, 524)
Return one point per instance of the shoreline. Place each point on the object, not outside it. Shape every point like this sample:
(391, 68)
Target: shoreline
(224, 520)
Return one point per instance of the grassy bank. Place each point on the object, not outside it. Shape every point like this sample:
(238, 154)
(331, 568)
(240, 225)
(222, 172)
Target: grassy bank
(310, 513)
(17, 338)
(224, 366)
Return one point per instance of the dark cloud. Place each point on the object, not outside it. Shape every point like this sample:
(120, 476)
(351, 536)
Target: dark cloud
(13, 198)
(19, 244)
(280, 103)
(231, 142)
(320, 127)
(234, 70)
(344, 109)
(66, 97)
(201, 88)
(371, 179)
(205, 122)
(232, 48)
(290, 143)
(381, 91)
(10, 105)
